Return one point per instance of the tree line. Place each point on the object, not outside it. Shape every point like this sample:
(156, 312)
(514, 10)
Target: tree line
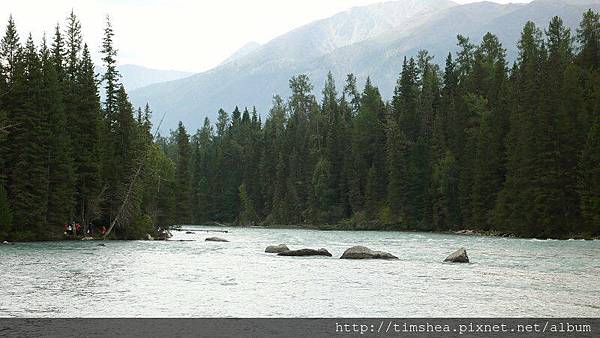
(66, 155)
(482, 144)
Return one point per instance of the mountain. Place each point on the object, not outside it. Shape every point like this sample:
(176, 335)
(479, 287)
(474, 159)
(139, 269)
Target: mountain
(368, 41)
(240, 53)
(134, 77)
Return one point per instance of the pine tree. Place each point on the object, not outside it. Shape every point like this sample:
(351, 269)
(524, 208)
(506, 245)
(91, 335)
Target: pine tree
(9, 49)
(589, 183)
(248, 215)
(397, 153)
(303, 143)
(58, 53)
(491, 116)
(201, 173)
(61, 173)
(28, 180)
(88, 151)
(182, 177)
(444, 146)
(6, 217)
(111, 76)
(588, 36)
(74, 42)
(368, 147)
(517, 199)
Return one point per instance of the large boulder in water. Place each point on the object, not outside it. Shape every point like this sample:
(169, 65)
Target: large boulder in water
(305, 252)
(459, 256)
(277, 248)
(362, 252)
(216, 239)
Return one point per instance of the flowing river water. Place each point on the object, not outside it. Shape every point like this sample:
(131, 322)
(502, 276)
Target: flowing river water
(506, 277)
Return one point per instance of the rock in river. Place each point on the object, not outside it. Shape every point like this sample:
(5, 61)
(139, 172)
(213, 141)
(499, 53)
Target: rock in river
(216, 239)
(361, 252)
(459, 256)
(305, 252)
(277, 248)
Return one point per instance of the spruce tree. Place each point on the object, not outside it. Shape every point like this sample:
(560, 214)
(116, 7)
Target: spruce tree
(61, 173)
(6, 217)
(9, 49)
(89, 149)
(397, 153)
(28, 180)
(111, 76)
(182, 177)
(589, 182)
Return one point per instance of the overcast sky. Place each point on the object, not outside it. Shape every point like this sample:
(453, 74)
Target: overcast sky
(176, 34)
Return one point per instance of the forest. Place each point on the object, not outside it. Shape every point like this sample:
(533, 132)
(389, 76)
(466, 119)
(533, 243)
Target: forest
(481, 144)
(66, 154)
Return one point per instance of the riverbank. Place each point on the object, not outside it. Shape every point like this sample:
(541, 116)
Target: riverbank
(320, 227)
(462, 232)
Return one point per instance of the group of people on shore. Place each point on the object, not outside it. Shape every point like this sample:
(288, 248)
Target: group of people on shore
(74, 229)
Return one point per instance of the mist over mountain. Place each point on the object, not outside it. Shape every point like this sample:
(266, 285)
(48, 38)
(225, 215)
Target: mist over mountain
(367, 41)
(240, 53)
(133, 76)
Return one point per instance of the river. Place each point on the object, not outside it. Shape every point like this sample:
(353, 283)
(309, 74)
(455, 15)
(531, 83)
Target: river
(506, 277)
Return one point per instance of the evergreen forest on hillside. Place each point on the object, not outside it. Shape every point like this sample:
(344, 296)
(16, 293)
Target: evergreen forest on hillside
(480, 144)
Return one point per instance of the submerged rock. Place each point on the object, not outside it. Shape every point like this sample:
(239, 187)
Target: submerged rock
(306, 252)
(189, 232)
(277, 248)
(459, 256)
(216, 239)
(362, 252)
(101, 244)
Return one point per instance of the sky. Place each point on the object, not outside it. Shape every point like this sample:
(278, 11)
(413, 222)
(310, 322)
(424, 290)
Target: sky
(176, 34)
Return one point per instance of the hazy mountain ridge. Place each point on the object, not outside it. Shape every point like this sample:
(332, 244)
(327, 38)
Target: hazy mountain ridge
(377, 50)
(133, 76)
(243, 51)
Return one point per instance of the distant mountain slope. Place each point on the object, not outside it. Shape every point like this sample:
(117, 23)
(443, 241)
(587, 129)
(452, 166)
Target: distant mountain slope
(240, 53)
(134, 77)
(368, 41)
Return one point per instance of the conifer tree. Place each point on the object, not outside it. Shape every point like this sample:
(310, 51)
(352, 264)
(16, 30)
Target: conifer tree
(9, 49)
(6, 217)
(88, 151)
(248, 215)
(28, 181)
(61, 173)
(589, 183)
(111, 76)
(182, 177)
(397, 153)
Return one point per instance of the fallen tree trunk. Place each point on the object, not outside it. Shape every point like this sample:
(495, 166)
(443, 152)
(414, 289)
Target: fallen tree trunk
(131, 185)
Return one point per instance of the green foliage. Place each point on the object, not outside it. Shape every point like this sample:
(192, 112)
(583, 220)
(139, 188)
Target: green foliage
(6, 217)
(64, 160)
(590, 180)
(477, 145)
(182, 177)
(248, 215)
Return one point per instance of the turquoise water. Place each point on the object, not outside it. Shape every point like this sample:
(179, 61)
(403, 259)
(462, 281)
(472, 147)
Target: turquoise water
(507, 277)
